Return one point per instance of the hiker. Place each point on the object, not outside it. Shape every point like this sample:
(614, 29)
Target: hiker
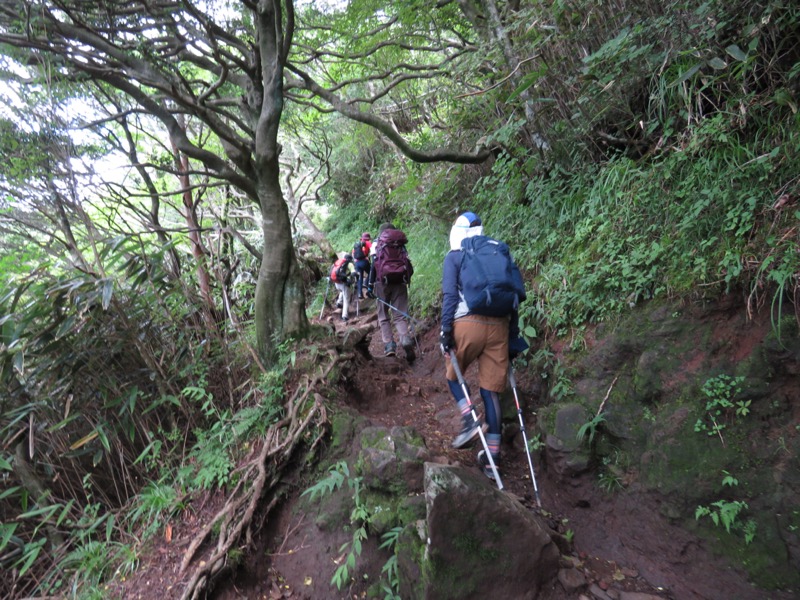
(361, 255)
(389, 277)
(491, 339)
(343, 276)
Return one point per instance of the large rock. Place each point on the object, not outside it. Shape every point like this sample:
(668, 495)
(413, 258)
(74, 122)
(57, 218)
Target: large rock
(392, 459)
(476, 541)
(565, 453)
(391, 465)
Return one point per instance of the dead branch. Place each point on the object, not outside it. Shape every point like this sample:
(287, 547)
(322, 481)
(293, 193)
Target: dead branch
(608, 393)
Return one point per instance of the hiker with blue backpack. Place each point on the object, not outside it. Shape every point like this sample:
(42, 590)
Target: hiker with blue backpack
(482, 288)
(389, 278)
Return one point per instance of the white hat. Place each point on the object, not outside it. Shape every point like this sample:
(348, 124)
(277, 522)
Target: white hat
(466, 225)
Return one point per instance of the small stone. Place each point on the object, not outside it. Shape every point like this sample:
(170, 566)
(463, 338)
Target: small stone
(630, 573)
(598, 593)
(571, 580)
(638, 596)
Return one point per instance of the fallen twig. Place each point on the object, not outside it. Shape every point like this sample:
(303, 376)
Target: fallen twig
(608, 393)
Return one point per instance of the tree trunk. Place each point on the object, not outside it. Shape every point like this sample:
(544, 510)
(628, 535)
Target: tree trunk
(195, 239)
(280, 297)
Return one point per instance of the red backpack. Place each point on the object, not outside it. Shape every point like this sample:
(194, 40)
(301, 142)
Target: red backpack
(339, 271)
(392, 264)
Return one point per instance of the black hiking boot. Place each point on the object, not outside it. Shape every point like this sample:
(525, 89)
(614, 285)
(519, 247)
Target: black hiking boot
(485, 466)
(468, 432)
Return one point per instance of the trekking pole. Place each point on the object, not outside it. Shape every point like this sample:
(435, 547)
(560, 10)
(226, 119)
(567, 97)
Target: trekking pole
(325, 297)
(356, 294)
(464, 388)
(513, 382)
(411, 320)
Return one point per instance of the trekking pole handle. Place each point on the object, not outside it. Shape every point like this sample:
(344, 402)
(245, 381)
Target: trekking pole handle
(512, 381)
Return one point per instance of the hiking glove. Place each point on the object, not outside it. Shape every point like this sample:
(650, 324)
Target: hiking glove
(516, 347)
(446, 341)
(370, 293)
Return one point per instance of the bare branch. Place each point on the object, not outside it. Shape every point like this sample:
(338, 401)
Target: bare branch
(387, 129)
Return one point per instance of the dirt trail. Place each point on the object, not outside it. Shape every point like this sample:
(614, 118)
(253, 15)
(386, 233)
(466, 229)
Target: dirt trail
(621, 541)
(614, 534)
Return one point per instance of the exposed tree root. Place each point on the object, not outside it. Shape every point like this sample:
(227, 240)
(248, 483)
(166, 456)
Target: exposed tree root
(304, 425)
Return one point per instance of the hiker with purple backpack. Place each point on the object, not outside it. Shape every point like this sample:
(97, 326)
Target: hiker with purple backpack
(389, 277)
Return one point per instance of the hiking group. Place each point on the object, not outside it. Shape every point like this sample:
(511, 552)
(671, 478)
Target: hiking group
(481, 292)
(381, 271)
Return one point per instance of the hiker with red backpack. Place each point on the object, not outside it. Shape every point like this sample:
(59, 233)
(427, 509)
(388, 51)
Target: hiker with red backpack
(482, 289)
(389, 277)
(343, 276)
(361, 251)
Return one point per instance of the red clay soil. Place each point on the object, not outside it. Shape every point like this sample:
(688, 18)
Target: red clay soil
(620, 541)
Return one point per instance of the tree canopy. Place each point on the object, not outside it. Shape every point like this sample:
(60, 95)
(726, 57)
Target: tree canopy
(177, 175)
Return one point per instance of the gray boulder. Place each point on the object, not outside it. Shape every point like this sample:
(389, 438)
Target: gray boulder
(476, 541)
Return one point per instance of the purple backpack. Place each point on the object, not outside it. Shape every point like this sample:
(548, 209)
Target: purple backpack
(392, 264)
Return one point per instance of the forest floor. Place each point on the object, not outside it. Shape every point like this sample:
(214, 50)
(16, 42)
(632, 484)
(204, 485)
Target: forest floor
(620, 541)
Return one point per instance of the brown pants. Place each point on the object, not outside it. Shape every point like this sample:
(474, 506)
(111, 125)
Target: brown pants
(484, 339)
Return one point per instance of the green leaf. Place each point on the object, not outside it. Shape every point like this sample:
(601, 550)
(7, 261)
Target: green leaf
(48, 511)
(736, 52)
(109, 527)
(31, 553)
(717, 63)
(7, 530)
(64, 513)
(66, 326)
(9, 492)
(686, 75)
(527, 82)
(108, 289)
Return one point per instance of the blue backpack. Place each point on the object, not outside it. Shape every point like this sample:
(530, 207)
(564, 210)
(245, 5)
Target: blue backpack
(490, 281)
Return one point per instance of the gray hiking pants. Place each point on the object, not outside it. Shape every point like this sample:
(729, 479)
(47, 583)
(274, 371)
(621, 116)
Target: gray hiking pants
(395, 294)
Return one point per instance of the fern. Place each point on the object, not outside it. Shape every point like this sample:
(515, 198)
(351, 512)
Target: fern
(337, 475)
